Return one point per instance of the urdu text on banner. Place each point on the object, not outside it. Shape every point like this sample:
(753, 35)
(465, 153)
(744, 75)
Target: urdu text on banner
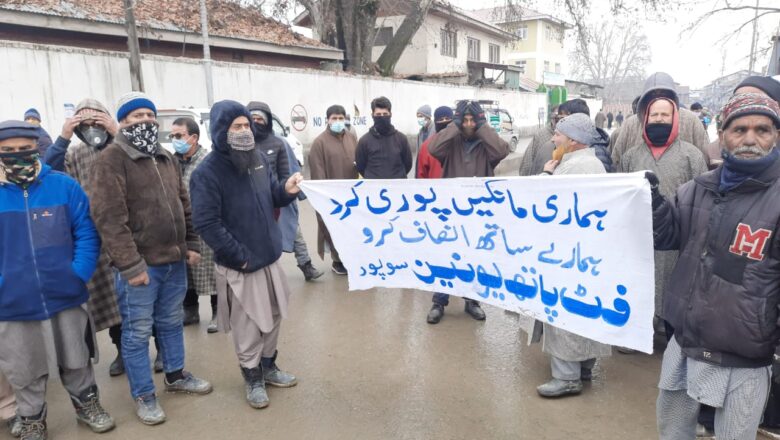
(573, 251)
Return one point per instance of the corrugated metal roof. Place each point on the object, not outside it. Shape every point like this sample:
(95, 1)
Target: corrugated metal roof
(226, 18)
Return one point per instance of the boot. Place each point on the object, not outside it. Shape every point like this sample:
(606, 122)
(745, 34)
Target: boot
(435, 314)
(117, 368)
(474, 310)
(148, 410)
(191, 315)
(559, 388)
(256, 395)
(34, 428)
(15, 426)
(90, 412)
(274, 376)
(309, 271)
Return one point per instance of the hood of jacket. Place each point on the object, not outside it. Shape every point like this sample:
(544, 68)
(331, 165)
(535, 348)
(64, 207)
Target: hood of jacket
(92, 104)
(223, 113)
(262, 107)
(657, 85)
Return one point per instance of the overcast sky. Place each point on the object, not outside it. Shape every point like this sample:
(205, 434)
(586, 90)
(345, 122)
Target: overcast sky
(692, 59)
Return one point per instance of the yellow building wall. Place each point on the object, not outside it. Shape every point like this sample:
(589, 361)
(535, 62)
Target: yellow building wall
(551, 48)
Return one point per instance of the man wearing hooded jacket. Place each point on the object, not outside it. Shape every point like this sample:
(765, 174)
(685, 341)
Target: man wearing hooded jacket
(672, 159)
(234, 196)
(722, 297)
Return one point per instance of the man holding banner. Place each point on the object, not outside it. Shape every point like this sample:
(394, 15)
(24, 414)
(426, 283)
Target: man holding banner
(722, 298)
(466, 148)
(572, 357)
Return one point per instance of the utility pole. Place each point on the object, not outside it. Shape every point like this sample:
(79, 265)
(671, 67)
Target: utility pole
(136, 78)
(204, 28)
(753, 40)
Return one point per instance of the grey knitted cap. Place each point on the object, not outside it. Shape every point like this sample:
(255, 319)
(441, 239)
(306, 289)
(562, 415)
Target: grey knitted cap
(578, 127)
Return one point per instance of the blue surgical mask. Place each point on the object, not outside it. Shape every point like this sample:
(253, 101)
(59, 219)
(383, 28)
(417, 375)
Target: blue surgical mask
(422, 122)
(337, 126)
(181, 146)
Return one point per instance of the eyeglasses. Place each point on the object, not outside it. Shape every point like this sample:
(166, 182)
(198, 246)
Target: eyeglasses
(178, 136)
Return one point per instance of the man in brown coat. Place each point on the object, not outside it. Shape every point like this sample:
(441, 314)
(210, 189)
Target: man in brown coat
(142, 211)
(468, 147)
(332, 156)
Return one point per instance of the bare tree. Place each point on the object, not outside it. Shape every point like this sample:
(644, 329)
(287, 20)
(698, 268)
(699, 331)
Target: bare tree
(609, 53)
(409, 27)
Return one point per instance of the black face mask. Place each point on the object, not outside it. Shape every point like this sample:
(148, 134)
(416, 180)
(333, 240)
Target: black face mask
(94, 136)
(442, 125)
(658, 133)
(261, 131)
(382, 125)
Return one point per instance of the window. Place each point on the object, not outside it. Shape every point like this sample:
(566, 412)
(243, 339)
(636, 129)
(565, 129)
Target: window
(473, 49)
(546, 66)
(383, 36)
(522, 32)
(495, 53)
(557, 67)
(449, 43)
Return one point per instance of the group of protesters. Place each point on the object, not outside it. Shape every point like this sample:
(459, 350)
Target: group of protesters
(114, 232)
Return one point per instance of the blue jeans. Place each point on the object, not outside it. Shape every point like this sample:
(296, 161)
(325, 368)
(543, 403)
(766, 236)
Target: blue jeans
(160, 305)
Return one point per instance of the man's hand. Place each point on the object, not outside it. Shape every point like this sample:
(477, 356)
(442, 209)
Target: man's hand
(460, 110)
(657, 198)
(105, 121)
(139, 280)
(479, 114)
(550, 166)
(291, 186)
(193, 258)
(70, 126)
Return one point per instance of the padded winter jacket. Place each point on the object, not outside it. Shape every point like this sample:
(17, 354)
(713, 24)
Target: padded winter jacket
(723, 295)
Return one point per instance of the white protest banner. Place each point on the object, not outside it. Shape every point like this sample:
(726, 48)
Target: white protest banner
(572, 251)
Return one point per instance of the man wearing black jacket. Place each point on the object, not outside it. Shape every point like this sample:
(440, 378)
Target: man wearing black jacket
(723, 295)
(383, 152)
(233, 197)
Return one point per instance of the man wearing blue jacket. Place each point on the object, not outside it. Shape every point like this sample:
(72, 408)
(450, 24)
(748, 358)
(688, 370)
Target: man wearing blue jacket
(233, 196)
(48, 251)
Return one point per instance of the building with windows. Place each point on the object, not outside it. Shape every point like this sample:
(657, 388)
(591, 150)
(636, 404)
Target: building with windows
(451, 45)
(539, 43)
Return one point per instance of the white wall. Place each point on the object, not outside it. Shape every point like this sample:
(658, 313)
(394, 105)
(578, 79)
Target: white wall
(46, 77)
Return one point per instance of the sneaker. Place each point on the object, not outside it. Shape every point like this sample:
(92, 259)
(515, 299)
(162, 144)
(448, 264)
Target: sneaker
(191, 315)
(474, 310)
(256, 395)
(338, 268)
(189, 384)
(158, 363)
(148, 410)
(212, 328)
(34, 428)
(117, 368)
(310, 272)
(90, 412)
(559, 388)
(274, 376)
(14, 426)
(435, 314)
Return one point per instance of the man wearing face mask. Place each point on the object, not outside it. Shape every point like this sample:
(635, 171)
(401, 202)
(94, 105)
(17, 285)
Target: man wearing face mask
(32, 116)
(274, 149)
(673, 160)
(468, 147)
(142, 211)
(383, 152)
(690, 128)
(427, 166)
(48, 251)
(95, 129)
(426, 125)
(723, 294)
(234, 195)
(572, 357)
(332, 157)
(185, 135)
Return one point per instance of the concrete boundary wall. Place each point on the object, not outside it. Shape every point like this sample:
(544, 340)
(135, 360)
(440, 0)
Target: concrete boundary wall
(47, 77)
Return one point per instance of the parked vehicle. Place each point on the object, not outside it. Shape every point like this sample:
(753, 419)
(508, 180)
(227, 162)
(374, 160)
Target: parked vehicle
(202, 116)
(503, 122)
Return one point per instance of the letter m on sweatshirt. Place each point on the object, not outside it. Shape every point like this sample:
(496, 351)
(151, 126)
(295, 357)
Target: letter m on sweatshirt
(749, 243)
